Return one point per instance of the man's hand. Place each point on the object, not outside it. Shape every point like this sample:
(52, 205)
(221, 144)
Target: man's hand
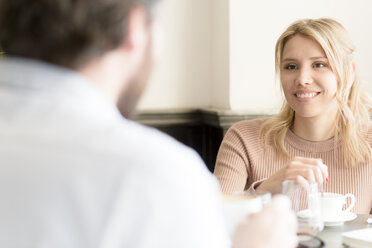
(275, 226)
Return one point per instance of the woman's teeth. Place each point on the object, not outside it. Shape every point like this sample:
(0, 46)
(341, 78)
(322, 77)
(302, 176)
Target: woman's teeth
(306, 95)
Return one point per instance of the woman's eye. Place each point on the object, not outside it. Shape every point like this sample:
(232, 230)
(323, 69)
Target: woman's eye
(320, 65)
(290, 67)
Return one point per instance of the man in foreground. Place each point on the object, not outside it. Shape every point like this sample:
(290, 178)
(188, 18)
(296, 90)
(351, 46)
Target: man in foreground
(73, 171)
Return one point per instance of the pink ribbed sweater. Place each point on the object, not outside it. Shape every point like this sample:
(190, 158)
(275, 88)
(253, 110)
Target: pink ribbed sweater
(242, 161)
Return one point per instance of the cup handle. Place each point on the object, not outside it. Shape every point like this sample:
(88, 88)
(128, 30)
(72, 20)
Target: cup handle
(352, 203)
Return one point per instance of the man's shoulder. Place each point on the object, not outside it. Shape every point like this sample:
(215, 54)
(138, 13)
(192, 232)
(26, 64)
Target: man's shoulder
(153, 148)
(163, 160)
(172, 181)
(147, 138)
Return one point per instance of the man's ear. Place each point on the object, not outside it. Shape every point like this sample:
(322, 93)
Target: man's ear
(138, 35)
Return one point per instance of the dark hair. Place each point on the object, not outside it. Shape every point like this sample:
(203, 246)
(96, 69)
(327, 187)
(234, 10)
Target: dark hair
(64, 32)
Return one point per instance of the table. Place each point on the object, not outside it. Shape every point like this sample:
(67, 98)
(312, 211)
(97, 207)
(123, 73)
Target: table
(332, 235)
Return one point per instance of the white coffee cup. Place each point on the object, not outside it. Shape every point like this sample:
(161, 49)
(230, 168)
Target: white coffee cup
(332, 205)
(237, 206)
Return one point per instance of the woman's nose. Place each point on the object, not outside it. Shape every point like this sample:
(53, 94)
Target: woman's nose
(304, 77)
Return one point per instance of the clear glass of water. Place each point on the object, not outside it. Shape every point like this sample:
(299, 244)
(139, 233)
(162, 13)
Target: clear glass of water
(305, 201)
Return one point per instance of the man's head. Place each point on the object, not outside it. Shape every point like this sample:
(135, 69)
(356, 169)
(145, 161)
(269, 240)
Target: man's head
(65, 32)
(78, 33)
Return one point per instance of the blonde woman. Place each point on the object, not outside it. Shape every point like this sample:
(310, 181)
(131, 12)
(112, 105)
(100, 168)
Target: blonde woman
(323, 132)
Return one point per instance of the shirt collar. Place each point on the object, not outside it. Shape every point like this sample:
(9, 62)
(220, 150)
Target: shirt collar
(58, 84)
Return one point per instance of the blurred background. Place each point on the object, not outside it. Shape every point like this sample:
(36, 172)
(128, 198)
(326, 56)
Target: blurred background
(217, 63)
(219, 54)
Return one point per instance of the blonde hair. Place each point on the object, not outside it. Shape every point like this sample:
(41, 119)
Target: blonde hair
(354, 105)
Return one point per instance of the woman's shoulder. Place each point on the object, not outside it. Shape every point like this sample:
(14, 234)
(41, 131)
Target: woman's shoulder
(249, 124)
(247, 127)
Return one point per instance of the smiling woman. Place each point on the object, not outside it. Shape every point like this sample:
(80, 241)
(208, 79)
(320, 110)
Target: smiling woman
(310, 87)
(323, 132)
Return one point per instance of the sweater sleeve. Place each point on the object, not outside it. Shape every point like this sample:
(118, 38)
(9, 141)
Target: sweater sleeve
(232, 163)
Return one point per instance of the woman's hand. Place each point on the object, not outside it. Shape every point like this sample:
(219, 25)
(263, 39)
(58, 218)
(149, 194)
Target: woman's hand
(303, 170)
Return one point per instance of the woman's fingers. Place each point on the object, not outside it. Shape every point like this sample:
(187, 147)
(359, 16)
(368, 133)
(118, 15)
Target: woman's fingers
(309, 169)
(315, 174)
(313, 170)
(316, 162)
(302, 182)
(303, 171)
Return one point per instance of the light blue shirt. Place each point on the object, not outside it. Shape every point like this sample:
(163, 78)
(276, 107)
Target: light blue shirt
(75, 173)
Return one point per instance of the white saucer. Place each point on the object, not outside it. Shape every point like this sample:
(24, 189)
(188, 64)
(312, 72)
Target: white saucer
(340, 220)
(303, 214)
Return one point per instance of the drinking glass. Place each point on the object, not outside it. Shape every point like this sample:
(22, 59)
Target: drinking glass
(237, 206)
(305, 202)
(265, 196)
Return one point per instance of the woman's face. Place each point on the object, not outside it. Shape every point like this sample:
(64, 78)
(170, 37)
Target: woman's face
(307, 79)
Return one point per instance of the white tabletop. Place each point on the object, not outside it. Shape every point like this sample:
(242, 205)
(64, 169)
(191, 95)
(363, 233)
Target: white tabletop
(332, 235)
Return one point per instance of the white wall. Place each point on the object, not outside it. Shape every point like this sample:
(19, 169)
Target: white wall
(220, 43)
(220, 53)
(182, 78)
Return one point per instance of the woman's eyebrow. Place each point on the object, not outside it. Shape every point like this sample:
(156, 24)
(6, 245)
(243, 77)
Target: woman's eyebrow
(288, 59)
(318, 57)
(311, 58)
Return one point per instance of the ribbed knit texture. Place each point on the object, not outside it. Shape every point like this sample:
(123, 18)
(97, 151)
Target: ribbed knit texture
(242, 161)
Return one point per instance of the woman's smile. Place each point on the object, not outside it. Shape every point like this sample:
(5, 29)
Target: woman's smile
(306, 96)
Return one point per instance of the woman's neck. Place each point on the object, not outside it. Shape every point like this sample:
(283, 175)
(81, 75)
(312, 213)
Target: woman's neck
(314, 128)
